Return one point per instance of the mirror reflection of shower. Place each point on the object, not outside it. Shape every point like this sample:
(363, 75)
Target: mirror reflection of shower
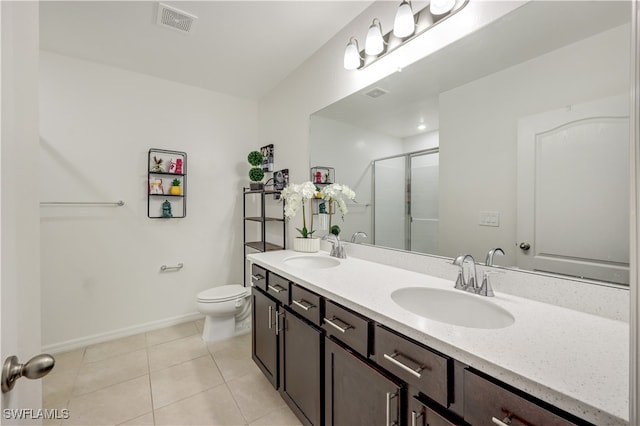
(405, 192)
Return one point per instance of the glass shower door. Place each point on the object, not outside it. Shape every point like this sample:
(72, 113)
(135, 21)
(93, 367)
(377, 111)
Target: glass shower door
(423, 204)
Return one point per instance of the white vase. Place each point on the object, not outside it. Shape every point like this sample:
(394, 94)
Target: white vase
(306, 245)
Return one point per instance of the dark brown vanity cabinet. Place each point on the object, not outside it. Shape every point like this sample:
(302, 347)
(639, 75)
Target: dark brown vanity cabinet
(334, 366)
(264, 339)
(357, 393)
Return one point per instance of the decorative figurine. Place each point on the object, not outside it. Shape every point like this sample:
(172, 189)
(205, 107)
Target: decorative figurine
(178, 165)
(172, 167)
(166, 209)
(155, 186)
(157, 165)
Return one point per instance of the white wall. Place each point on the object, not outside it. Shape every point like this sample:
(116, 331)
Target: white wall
(100, 265)
(421, 141)
(357, 148)
(478, 159)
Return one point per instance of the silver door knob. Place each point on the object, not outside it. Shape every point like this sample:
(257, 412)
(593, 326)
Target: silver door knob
(36, 368)
(525, 246)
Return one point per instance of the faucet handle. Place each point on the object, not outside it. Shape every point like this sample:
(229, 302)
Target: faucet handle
(460, 282)
(486, 289)
(471, 285)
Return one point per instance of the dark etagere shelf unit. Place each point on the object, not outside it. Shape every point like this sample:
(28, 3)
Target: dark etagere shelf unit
(174, 166)
(262, 244)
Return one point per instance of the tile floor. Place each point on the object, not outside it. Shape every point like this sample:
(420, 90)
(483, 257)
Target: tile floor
(164, 377)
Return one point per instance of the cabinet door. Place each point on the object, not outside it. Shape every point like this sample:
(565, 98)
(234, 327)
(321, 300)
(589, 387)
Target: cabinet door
(301, 368)
(420, 414)
(264, 338)
(356, 393)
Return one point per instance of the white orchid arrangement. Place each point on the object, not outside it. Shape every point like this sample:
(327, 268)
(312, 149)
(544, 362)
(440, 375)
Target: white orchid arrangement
(337, 193)
(295, 196)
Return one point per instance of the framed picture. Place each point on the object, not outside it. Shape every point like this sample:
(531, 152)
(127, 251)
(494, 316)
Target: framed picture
(267, 158)
(280, 181)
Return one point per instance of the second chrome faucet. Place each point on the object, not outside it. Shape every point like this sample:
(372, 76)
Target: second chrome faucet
(469, 282)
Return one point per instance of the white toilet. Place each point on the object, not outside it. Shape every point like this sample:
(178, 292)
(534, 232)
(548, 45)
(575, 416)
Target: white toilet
(227, 311)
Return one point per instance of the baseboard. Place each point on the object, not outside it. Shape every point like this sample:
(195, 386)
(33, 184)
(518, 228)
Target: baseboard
(116, 334)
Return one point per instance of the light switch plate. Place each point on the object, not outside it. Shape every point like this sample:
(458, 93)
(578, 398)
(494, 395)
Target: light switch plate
(489, 218)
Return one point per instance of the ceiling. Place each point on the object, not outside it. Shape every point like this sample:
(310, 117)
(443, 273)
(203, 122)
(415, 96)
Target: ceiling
(529, 31)
(241, 48)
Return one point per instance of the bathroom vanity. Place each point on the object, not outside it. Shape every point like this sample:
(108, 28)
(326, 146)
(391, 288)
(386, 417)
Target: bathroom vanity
(332, 337)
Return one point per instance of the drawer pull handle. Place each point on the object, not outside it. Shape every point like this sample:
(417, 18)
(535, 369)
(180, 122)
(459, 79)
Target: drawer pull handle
(336, 326)
(413, 371)
(390, 396)
(504, 422)
(303, 304)
(278, 330)
(257, 277)
(276, 288)
(415, 416)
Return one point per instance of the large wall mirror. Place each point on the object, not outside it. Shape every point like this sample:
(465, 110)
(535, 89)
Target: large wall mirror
(513, 137)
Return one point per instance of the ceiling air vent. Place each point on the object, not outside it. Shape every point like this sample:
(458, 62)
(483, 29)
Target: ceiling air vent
(376, 92)
(176, 19)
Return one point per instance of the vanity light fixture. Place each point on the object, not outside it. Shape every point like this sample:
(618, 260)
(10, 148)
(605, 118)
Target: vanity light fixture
(352, 58)
(406, 26)
(374, 43)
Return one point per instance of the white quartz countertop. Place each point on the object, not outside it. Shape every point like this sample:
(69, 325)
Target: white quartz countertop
(575, 361)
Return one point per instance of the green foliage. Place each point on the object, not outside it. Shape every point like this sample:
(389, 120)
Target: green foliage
(335, 230)
(256, 174)
(176, 182)
(255, 158)
(304, 232)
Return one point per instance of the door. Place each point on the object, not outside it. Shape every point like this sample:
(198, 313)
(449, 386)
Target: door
(424, 215)
(390, 203)
(301, 367)
(556, 209)
(264, 337)
(19, 214)
(356, 393)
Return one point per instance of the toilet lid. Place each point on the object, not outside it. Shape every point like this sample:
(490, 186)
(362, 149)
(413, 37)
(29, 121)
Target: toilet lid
(223, 293)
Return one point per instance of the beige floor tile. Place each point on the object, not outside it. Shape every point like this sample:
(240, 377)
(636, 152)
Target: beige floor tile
(234, 362)
(213, 407)
(281, 417)
(146, 420)
(111, 405)
(68, 361)
(255, 395)
(168, 334)
(115, 347)
(57, 388)
(176, 352)
(99, 374)
(183, 380)
(241, 344)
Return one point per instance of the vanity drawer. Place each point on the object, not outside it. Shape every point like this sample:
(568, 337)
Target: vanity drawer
(258, 277)
(417, 365)
(306, 304)
(348, 327)
(485, 400)
(278, 288)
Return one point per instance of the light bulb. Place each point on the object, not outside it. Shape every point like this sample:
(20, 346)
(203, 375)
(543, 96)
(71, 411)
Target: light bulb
(404, 24)
(374, 43)
(352, 60)
(440, 7)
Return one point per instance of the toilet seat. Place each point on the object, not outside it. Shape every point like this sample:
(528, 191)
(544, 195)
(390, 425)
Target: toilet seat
(222, 293)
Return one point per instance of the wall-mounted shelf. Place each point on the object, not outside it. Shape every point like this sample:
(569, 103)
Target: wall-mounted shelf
(163, 167)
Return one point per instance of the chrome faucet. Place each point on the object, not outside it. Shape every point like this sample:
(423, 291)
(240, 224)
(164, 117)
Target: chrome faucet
(337, 249)
(489, 259)
(469, 284)
(358, 234)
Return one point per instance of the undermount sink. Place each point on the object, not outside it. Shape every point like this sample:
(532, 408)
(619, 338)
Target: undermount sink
(311, 262)
(453, 307)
